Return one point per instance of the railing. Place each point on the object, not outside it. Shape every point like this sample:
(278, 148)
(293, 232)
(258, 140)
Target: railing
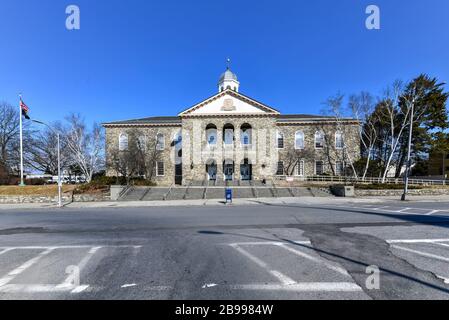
(369, 180)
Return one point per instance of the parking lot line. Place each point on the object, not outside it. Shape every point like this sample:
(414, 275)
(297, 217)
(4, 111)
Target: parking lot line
(442, 244)
(314, 259)
(421, 253)
(265, 243)
(11, 275)
(285, 280)
(6, 250)
(303, 287)
(67, 247)
(417, 241)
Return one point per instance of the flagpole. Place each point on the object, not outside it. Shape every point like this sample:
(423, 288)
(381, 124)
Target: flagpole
(22, 184)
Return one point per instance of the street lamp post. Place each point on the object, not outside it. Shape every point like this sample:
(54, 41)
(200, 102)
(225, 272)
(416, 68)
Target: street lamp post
(58, 135)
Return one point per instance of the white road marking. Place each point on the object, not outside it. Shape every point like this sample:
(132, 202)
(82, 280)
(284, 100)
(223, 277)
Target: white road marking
(315, 259)
(442, 244)
(6, 250)
(129, 285)
(281, 277)
(303, 287)
(432, 212)
(11, 275)
(209, 285)
(66, 247)
(417, 241)
(421, 253)
(265, 243)
(68, 281)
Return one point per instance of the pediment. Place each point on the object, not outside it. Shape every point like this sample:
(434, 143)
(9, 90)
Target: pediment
(228, 102)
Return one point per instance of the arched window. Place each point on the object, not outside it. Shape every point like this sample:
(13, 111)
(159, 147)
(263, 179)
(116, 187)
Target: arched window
(160, 138)
(228, 134)
(319, 140)
(299, 140)
(123, 142)
(177, 140)
(245, 134)
(211, 135)
(142, 143)
(280, 140)
(339, 141)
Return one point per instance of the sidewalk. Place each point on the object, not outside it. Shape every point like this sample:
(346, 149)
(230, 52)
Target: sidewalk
(237, 202)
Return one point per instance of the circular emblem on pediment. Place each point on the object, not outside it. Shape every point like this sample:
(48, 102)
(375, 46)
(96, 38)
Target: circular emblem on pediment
(228, 105)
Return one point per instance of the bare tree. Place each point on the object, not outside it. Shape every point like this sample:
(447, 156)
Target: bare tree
(293, 157)
(362, 107)
(43, 153)
(335, 109)
(86, 147)
(138, 160)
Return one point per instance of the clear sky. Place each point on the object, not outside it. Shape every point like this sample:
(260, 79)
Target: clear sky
(140, 58)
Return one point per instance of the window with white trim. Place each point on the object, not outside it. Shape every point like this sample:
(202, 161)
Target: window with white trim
(160, 138)
(319, 140)
(160, 169)
(142, 143)
(339, 168)
(123, 142)
(280, 168)
(299, 140)
(339, 141)
(319, 167)
(280, 140)
(300, 168)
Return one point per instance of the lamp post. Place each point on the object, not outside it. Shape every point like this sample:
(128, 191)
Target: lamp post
(59, 160)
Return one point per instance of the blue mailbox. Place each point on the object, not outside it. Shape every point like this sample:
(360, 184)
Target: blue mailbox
(228, 195)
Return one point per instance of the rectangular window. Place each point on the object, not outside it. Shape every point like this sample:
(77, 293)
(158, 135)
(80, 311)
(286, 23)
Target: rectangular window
(300, 168)
(339, 168)
(160, 169)
(339, 142)
(280, 168)
(160, 142)
(319, 168)
(280, 141)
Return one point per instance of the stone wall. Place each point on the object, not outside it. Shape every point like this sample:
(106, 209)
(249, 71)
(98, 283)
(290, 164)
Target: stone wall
(329, 154)
(412, 192)
(197, 153)
(168, 155)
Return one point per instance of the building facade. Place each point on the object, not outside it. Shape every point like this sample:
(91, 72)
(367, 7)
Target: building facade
(232, 137)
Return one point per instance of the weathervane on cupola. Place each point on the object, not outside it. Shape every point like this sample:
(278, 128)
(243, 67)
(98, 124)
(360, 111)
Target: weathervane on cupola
(228, 80)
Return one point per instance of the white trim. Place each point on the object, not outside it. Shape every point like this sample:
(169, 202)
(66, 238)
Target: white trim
(315, 140)
(303, 140)
(157, 169)
(123, 135)
(297, 167)
(322, 166)
(342, 140)
(163, 141)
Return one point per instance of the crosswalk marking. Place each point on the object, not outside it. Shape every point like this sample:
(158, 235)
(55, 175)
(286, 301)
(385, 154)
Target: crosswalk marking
(11, 275)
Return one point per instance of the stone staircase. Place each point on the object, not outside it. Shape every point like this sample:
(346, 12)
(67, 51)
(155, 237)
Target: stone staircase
(198, 190)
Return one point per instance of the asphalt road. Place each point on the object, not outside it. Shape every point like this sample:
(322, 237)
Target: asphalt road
(289, 251)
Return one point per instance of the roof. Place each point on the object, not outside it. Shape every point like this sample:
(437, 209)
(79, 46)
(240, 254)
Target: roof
(235, 94)
(307, 117)
(148, 121)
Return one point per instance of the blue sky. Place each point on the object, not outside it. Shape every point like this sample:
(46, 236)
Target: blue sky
(140, 58)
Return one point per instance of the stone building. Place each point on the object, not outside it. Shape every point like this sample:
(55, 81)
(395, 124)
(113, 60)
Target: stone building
(232, 137)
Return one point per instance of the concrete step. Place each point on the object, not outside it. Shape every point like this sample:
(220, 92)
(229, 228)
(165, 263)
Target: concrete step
(155, 194)
(284, 192)
(264, 192)
(242, 193)
(194, 193)
(135, 194)
(177, 194)
(215, 193)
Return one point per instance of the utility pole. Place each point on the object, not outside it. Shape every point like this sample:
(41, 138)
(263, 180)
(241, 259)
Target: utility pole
(22, 183)
(410, 136)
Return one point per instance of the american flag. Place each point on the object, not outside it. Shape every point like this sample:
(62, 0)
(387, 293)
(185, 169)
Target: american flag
(25, 109)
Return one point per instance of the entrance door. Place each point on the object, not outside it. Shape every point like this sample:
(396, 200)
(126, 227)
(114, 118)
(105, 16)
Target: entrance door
(229, 172)
(178, 174)
(212, 172)
(245, 172)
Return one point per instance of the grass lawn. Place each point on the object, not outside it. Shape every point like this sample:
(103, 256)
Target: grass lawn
(33, 190)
